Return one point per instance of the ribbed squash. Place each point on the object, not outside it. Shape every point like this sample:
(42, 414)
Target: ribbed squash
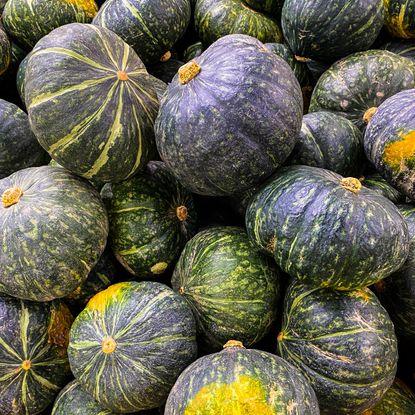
(400, 18)
(377, 183)
(5, 50)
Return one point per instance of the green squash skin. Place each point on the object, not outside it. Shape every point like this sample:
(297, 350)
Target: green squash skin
(329, 141)
(389, 142)
(145, 230)
(19, 148)
(404, 48)
(155, 335)
(207, 139)
(5, 50)
(400, 18)
(343, 342)
(17, 54)
(150, 28)
(342, 88)
(323, 234)
(20, 77)
(215, 19)
(27, 21)
(193, 51)
(236, 380)
(108, 135)
(380, 185)
(266, 6)
(232, 289)
(35, 332)
(159, 86)
(322, 31)
(40, 259)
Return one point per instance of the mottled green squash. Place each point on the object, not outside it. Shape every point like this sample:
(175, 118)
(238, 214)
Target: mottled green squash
(193, 51)
(17, 54)
(377, 183)
(27, 21)
(20, 76)
(327, 230)
(54, 229)
(151, 218)
(405, 48)
(266, 6)
(343, 342)
(232, 289)
(241, 381)
(88, 76)
(130, 343)
(5, 50)
(400, 18)
(347, 88)
(217, 18)
(33, 360)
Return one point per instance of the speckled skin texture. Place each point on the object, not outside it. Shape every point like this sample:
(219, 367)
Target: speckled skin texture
(151, 28)
(329, 141)
(405, 48)
(108, 130)
(400, 18)
(326, 235)
(144, 227)
(21, 73)
(37, 333)
(5, 50)
(234, 123)
(393, 126)
(240, 381)
(343, 342)
(155, 335)
(27, 21)
(377, 183)
(52, 237)
(327, 31)
(232, 289)
(267, 6)
(347, 88)
(217, 18)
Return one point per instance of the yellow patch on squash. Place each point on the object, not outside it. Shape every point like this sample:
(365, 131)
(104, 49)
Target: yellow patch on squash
(396, 22)
(101, 300)
(397, 154)
(88, 6)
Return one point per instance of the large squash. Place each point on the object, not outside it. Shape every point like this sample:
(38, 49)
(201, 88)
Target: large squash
(400, 18)
(377, 183)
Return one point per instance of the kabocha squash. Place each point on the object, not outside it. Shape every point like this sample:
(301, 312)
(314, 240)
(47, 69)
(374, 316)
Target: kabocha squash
(151, 218)
(248, 102)
(21, 73)
(266, 6)
(232, 289)
(390, 141)
(377, 183)
(241, 381)
(130, 343)
(330, 141)
(327, 31)
(327, 230)
(343, 342)
(88, 76)
(217, 18)
(5, 50)
(27, 21)
(33, 360)
(18, 145)
(54, 229)
(347, 88)
(151, 28)
(405, 48)
(400, 18)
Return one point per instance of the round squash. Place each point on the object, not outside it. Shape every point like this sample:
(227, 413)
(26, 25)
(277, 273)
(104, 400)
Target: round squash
(27, 21)
(151, 28)
(130, 343)
(377, 183)
(241, 381)
(217, 18)
(151, 218)
(5, 50)
(347, 88)
(208, 139)
(327, 31)
(89, 77)
(54, 229)
(390, 141)
(232, 289)
(405, 48)
(33, 360)
(327, 230)
(267, 6)
(343, 342)
(400, 18)
(329, 141)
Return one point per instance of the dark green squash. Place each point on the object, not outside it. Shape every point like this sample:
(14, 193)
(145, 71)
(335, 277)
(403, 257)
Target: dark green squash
(130, 344)
(5, 50)
(217, 18)
(343, 342)
(327, 230)
(8, 78)
(88, 76)
(267, 6)
(33, 360)
(348, 89)
(193, 51)
(327, 31)
(151, 28)
(27, 21)
(54, 229)
(329, 141)
(377, 183)
(166, 70)
(400, 18)
(208, 139)
(232, 289)
(18, 145)
(20, 76)
(241, 381)
(405, 48)
(390, 141)
(151, 218)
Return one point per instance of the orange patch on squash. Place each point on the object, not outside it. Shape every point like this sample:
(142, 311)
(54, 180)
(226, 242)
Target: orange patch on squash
(397, 154)
(88, 6)
(101, 300)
